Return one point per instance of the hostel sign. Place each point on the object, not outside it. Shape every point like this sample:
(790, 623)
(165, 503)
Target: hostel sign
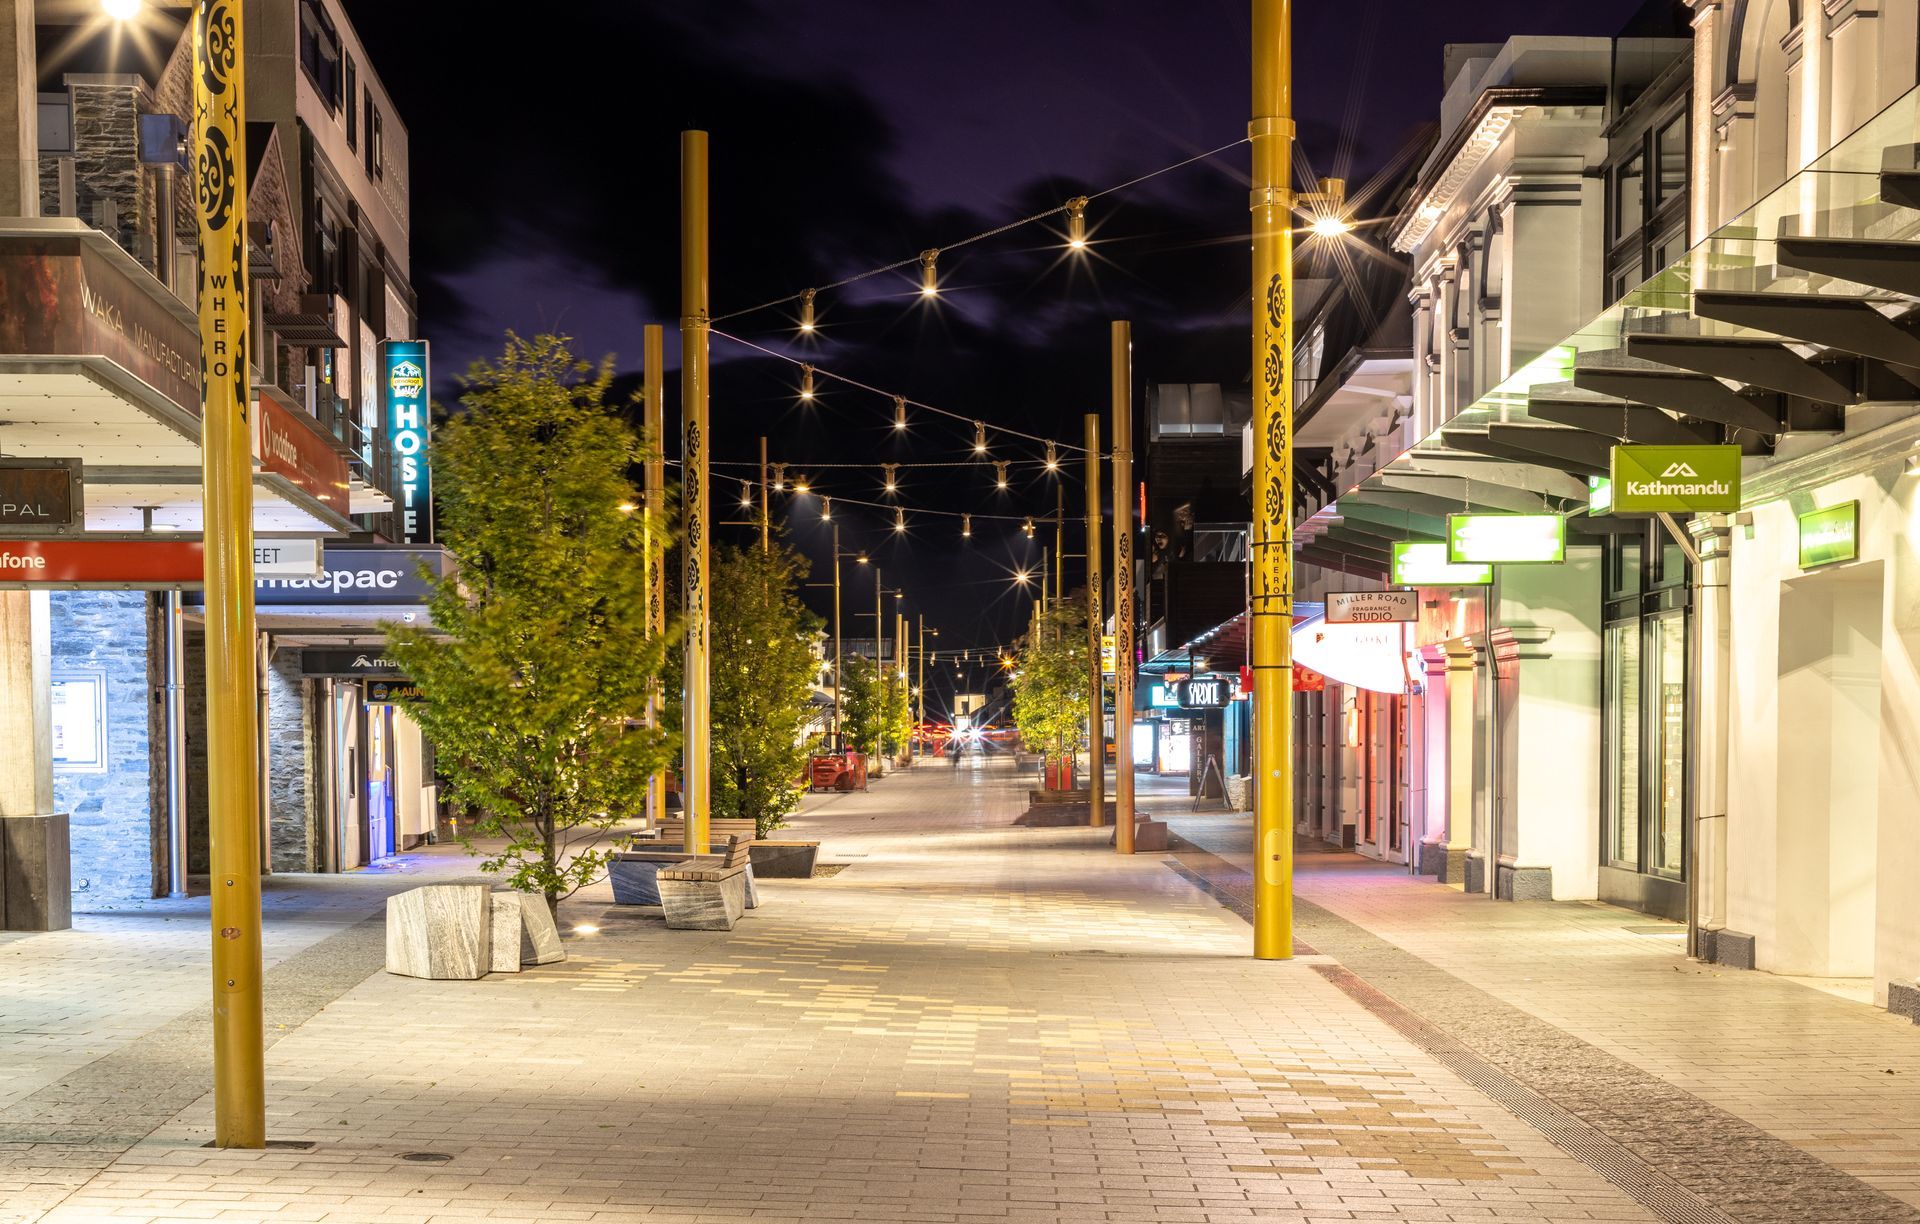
(1676, 479)
(404, 384)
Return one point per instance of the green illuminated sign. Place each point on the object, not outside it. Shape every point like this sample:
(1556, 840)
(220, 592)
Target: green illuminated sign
(1830, 535)
(1506, 539)
(1424, 563)
(1676, 479)
(1599, 495)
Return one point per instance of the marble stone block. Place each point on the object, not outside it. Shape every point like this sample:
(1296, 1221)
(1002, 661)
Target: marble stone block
(524, 932)
(704, 905)
(784, 860)
(442, 931)
(752, 889)
(634, 875)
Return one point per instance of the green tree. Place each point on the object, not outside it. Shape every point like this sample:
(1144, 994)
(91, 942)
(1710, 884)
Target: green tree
(864, 707)
(1050, 699)
(762, 677)
(535, 675)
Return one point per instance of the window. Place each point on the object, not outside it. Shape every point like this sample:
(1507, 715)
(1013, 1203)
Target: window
(1623, 744)
(1670, 159)
(1629, 202)
(373, 150)
(353, 113)
(320, 53)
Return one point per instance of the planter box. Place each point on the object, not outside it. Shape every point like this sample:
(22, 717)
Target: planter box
(784, 860)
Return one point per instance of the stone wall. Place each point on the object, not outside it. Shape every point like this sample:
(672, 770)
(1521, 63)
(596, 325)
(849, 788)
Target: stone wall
(112, 815)
(114, 189)
(291, 753)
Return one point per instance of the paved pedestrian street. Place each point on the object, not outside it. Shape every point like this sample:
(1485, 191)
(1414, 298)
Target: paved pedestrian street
(972, 1019)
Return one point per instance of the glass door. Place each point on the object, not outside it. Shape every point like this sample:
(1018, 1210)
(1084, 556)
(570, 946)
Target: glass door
(1667, 752)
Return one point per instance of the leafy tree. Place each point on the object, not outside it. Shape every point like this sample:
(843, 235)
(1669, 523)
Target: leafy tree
(762, 676)
(1050, 698)
(536, 671)
(864, 707)
(899, 721)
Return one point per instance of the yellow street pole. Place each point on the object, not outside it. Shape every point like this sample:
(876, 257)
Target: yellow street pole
(1123, 586)
(766, 501)
(654, 411)
(920, 680)
(1096, 628)
(1271, 202)
(839, 685)
(695, 325)
(233, 732)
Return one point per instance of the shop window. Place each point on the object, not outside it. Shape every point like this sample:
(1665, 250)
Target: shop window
(1666, 842)
(320, 53)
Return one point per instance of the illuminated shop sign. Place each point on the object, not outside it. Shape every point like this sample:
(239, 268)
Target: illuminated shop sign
(405, 387)
(1830, 536)
(1599, 494)
(1424, 563)
(1205, 693)
(1506, 539)
(1675, 479)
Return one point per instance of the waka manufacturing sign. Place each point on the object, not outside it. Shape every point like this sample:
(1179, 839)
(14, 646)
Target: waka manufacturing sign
(1678, 479)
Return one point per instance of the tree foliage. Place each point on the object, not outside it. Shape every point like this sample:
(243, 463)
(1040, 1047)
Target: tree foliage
(762, 677)
(878, 714)
(1050, 697)
(536, 673)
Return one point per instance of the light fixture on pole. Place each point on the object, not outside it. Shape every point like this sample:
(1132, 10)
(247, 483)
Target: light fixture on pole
(806, 310)
(801, 486)
(806, 382)
(121, 10)
(929, 272)
(1077, 223)
(900, 412)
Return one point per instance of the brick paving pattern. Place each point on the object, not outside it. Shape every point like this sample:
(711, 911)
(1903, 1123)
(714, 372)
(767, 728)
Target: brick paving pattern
(970, 1021)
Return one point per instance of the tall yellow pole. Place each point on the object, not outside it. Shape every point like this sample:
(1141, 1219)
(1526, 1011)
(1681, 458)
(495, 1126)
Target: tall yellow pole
(766, 501)
(233, 732)
(839, 683)
(1271, 201)
(1123, 586)
(1096, 628)
(695, 326)
(920, 681)
(1059, 542)
(654, 411)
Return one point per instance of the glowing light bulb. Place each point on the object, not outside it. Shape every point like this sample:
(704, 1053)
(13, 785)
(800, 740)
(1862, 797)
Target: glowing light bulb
(1330, 226)
(806, 382)
(1000, 473)
(801, 486)
(1020, 576)
(626, 507)
(899, 412)
(929, 272)
(1053, 459)
(746, 497)
(899, 520)
(1028, 528)
(966, 526)
(892, 470)
(1077, 223)
(826, 509)
(780, 477)
(979, 437)
(806, 311)
(121, 10)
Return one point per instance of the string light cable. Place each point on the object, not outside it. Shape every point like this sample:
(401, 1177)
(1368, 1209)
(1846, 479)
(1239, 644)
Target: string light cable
(1072, 208)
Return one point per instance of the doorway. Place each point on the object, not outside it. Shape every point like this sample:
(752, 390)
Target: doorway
(1828, 780)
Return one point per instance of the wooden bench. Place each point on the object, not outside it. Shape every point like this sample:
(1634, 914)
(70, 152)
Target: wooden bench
(707, 892)
(635, 874)
(673, 831)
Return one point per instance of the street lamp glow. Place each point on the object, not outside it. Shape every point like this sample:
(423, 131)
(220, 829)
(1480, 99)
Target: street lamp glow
(1000, 474)
(806, 311)
(900, 412)
(626, 507)
(826, 509)
(1331, 225)
(861, 559)
(121, 10)
(1077, 223)
(1020, 577)
(806, 382)
(929, 273)
(979, 437)
(966, 526)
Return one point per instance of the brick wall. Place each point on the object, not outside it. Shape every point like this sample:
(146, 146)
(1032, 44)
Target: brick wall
(291, 754)
(111, 813)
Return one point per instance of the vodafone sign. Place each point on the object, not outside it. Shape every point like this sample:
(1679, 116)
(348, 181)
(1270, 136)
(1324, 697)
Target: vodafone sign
(286, 447)
(106, 563)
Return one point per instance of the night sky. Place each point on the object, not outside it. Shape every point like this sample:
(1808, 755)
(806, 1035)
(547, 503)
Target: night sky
(854, 133)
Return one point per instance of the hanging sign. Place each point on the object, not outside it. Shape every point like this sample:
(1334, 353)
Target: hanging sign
(1830, 536)
(40, 494)
(1372, 607)
(1506, 539)
(405, 388)
(287, 446)
(1205, 693)
(1365, 656)
(1107, 654)
(274, 558)
(1424, 563)
(1599, 495)
(1675, 479)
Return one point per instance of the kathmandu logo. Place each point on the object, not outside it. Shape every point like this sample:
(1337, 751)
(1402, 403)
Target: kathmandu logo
(1680, 469)
(408, 380)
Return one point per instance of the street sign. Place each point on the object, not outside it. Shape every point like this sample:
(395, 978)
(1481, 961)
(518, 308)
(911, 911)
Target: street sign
(1506, 539)
(1424, 563)
(1205, 693)
(1830, 536)
(1599, 494)
(1675, 479)
(40, 495)
(1372, 607)
(294, 558)
(101, 563)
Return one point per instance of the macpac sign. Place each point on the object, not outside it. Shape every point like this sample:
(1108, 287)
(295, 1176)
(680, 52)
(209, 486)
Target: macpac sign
(1831, 535)
(360, 576)
(404, 384)
(1681, 479)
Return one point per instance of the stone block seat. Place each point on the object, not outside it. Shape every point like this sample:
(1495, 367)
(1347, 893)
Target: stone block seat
(441, 931)
(707, 892)
(783, 860)
(524, 932)
(641, 874)
(635, 874)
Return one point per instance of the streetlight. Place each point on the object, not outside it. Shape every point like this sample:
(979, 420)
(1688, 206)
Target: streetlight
(121, 10)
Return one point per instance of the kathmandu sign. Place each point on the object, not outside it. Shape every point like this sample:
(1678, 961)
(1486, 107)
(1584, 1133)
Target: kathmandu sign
(1675, 479)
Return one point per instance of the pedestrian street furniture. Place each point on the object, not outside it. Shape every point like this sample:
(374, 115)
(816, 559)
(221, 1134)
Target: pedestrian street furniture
(441, 931)
(672, 833)
(707, 892)
(1147, 835)
(524, 932)
(783, 860)
(673, 830)
(635, 874)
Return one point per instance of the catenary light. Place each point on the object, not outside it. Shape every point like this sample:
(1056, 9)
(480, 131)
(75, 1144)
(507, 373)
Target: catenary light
(806, 311)
(929, 272)
(1000, 473)
(1077, 223)
(1053, 459)
(893, 472)
(979, 437)
(966, 526)
(806, 382)
(900, 412)
(826, 509)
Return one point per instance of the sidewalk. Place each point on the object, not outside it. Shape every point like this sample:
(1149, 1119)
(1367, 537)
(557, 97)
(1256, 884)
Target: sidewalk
(970, 1021)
